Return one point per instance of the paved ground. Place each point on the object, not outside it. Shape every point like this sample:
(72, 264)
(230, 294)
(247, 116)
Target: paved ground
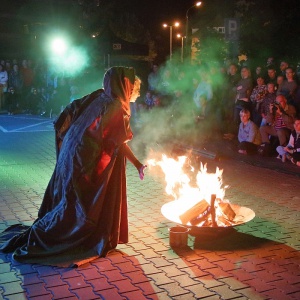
(257, 260)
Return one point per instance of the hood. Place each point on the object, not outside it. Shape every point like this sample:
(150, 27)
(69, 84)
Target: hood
(118, 84)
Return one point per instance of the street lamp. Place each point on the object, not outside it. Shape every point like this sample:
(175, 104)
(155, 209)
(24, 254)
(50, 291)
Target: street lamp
(197, 4)
(182, 37)
(176, 24)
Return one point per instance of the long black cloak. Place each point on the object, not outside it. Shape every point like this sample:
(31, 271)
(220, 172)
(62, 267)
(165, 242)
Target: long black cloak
(84, 211)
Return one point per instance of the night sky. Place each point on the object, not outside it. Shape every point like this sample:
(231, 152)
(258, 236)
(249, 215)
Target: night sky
(156, 12)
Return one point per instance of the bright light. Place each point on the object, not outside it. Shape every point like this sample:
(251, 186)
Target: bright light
(176, 24)
(59, 45)
(178, 35)
(64, 56)
(198, 3)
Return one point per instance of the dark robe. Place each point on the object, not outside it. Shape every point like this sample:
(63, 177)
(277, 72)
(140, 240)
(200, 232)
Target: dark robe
(83, 214)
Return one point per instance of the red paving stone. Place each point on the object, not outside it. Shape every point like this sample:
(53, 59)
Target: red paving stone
(111, 294)
(36, 289)
(258, 260)
(61, 291)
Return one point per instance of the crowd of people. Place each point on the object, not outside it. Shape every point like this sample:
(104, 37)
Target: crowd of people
(257, 107)
(28, 86)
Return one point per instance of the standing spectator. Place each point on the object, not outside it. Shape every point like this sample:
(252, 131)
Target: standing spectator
(281, 119)
(270, 62)
(40, 74)
(292, 150)
(243, 92)
(74, 93)
(153, 79)
(203, 95)
(289, 86)
(231, 81)
(283, 66)
(15, 79)
(271, 76)
(248, 136)
(3, 86)
(27, 78)
(165, 87)
(259, 72)
(256, 97)
(8, 67)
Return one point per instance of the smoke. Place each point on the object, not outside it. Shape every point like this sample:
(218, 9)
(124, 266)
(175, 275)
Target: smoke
(70, 63)
(178, 120)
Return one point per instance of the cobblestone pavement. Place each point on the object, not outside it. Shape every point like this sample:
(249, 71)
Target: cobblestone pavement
(257, 260)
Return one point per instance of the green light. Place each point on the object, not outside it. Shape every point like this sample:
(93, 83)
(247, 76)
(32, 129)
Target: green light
(59, 46)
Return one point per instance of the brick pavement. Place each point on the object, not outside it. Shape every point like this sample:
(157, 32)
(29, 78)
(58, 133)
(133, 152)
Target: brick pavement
(257, 260)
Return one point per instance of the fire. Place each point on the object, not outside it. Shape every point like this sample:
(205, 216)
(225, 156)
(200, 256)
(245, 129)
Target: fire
(186, 188)
(190, 188)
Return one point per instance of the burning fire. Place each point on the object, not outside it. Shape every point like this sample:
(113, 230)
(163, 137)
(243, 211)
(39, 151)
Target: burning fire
(199, 196)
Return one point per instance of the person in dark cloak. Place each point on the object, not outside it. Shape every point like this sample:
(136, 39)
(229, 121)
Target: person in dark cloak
(83, 214)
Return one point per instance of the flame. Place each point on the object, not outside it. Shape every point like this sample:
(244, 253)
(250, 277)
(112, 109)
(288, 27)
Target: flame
(188, 186)
(179, 183)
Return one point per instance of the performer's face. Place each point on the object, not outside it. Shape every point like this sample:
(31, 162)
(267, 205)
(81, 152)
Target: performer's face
(136, 90)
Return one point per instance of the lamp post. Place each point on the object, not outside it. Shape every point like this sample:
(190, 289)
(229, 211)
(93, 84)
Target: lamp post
(182, 37)
(176, 24)
(197, 4)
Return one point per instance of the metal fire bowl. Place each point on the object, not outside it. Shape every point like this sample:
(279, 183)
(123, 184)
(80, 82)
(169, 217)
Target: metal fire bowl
(243, 215)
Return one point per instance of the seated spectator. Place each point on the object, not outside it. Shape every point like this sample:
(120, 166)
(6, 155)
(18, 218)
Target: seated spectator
(149, 100)
(292, 150)
(13, 102)
(248, 136)
(281, 119)
(33, 101)
(256, 97)
(268, 99)
(156, 101)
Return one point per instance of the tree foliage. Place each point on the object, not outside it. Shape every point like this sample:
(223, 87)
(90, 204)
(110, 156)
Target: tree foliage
(211, 47)
(269, 27)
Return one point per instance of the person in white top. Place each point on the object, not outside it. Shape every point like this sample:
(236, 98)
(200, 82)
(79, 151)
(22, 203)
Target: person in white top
(3, 85)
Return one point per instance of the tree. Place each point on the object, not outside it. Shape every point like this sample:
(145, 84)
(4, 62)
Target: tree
(211, 47)
(269, 27)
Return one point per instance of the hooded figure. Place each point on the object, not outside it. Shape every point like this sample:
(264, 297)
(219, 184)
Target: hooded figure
(84, 211)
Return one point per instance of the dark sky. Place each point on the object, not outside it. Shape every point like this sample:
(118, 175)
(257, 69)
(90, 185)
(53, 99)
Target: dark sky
(156, 12)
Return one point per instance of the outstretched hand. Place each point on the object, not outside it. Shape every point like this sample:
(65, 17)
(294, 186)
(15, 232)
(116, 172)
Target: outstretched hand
(141, 171)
